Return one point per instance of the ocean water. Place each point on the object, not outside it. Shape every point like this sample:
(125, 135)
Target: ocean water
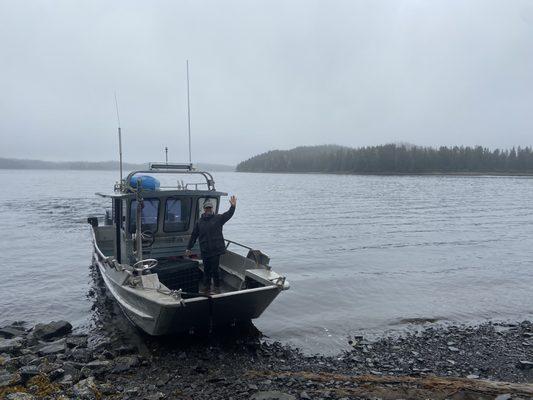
(364, 254)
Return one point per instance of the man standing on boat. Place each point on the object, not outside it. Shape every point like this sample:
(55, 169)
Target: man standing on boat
(208, 229)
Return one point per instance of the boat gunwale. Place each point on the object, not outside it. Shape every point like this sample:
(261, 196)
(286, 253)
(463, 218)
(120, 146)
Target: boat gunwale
(171, 302)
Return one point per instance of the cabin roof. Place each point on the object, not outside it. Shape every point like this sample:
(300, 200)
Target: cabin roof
(163, 193)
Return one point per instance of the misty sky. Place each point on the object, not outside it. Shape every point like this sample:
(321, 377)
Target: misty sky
(264, 75)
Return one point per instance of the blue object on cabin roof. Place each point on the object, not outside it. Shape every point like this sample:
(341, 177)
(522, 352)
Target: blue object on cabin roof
(147, 182)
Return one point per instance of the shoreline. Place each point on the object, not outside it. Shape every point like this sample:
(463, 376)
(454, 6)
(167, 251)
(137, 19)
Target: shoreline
(436, 173)
(496, 174)
(48, 361)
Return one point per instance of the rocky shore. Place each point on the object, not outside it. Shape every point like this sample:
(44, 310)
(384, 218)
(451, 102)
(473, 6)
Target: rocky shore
(49, 361)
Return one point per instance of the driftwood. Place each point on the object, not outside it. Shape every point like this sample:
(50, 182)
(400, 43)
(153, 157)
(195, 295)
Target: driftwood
(405, 387)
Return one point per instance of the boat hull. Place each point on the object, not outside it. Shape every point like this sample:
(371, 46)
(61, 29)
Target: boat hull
(159, 314)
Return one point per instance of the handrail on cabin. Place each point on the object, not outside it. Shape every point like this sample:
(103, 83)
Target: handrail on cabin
(169, 169)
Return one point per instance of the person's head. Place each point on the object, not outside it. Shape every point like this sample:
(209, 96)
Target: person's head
(208, 207)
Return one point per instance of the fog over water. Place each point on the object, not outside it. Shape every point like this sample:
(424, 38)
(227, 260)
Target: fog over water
(264, 75)
(362, 253)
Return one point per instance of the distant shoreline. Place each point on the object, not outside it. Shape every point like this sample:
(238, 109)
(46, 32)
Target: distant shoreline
(23, 164)
(394, 173)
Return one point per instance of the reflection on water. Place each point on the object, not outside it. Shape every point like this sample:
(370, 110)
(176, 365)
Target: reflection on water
(362, 253)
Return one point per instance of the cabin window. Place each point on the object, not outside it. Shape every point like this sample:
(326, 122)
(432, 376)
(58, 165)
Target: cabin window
(177, 214)
(201, 202)
(149, 215)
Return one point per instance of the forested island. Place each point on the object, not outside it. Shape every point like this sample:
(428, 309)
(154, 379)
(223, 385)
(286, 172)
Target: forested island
(393, 159)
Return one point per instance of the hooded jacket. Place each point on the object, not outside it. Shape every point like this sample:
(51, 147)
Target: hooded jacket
(208, 231)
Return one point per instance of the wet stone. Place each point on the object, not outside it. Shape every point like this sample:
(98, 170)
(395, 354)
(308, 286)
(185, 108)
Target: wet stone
(99, 364)
(304, 395)
(52, 330)
(28, 372)
(7, 379)
(272, 395)
(56, 374)
(9, 332)
(85, 389)
(125, 363)
(107, 389)
(505, 396)
(81, 355)
(11, 346)
(52, 348)
(20, 396)
(76, 341)
(154, 396)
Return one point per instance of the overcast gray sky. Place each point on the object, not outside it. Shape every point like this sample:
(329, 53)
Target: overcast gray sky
(264, 75)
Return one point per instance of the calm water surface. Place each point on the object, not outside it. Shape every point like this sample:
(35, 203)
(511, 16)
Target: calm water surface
(362, 253)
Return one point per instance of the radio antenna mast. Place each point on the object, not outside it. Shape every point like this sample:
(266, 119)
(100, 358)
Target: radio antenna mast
(189, 113)
(119, 139)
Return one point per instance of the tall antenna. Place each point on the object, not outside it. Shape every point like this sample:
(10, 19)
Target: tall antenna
(166, 155)
(189, 112)
(119, 139)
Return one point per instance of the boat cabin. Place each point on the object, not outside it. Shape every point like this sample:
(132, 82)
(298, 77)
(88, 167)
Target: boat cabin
(167, 217)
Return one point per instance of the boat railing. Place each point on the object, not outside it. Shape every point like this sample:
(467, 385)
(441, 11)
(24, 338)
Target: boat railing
(251, 251)
(186, 169)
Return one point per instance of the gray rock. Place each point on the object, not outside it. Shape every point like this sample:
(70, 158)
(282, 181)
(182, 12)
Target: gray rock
(67, 381)
(7, 379)
(56, 374)
(125, 363)
(272, 395)
(4, 358)
(505, 396)
(453, 349)
(76, 341)
(107, 389)
(52, 348)
(52, 330)
(304, 395)
(10, 346)
(99, 364)
(154, 396)
(9, 332)
(472, 376)
(85, 389)
(82, 355)
(47, 367)
(86, 372)
(28, 371)
(20, 396)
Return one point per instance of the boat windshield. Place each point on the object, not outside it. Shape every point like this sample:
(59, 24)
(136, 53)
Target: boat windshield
(177, 214)
(149, 215)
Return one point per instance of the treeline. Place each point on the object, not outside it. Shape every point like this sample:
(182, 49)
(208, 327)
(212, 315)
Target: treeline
(13, 163)
(392, 159)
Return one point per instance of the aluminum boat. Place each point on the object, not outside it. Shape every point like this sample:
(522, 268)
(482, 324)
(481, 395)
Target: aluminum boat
(139, 250)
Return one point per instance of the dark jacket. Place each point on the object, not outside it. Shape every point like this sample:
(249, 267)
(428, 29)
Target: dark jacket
(208, 229)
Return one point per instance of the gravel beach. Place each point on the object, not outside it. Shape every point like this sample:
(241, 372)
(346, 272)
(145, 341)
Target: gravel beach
(48, 361)
(113, 361)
